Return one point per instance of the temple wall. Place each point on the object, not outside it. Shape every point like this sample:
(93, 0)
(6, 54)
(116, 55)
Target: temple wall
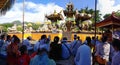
(36, 36)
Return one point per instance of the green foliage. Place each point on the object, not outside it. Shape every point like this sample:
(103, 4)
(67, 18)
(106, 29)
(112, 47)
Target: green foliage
(116, 14)
(19, 28)
(106, 15)
(6, 25)
(35, 26)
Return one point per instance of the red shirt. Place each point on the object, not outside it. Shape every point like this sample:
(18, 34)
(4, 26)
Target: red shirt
(12, 54)
(24, 59)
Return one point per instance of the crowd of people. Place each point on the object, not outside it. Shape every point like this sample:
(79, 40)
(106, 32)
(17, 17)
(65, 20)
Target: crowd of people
(92, 51)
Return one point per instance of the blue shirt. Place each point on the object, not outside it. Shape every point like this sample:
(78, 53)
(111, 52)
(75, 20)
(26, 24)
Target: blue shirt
(74, 46)
(83, 56)
(65, 51)
(42, 60)
(116, 59)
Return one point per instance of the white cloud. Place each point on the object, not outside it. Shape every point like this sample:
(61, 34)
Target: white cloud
(108, 6)
(33, 12)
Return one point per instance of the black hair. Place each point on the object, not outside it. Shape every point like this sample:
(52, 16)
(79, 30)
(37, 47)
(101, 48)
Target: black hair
(116, 43)
(8, 37)
(43, 36)
(2, 36)
(104, 39)
(16, 39)
(88, 39)
(23, 49)
(56, 39)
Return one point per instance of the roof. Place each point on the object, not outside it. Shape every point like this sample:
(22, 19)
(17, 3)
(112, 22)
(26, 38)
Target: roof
(109, 22)
(55, 16)
(5, 5)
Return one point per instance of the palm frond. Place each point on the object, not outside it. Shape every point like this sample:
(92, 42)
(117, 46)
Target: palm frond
(7, 5)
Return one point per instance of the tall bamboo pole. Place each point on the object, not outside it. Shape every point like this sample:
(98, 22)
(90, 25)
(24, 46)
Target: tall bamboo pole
(23, 19)
(95, 16)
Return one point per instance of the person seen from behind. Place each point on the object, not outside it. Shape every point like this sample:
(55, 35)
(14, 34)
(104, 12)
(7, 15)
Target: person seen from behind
(24, 58)
(13, 52)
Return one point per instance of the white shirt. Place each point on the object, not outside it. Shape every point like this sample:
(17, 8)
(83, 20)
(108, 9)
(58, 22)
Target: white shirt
(28, 44)
(83, 56)
(41, 44)
(103, 50)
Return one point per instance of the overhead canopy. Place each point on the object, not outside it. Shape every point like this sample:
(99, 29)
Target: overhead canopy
(110, 22)
(5, 5)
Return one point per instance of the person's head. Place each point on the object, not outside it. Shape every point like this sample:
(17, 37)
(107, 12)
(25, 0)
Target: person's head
(3, 37)
(104, 39)
(93, 38)
(116, 44)
(15, 39)
(8, 37)
(23, 49)
(75, 37)
(64, 39)
(29, 38)
(78, 37)
(88, 39)
(43, 37)
(56, 39)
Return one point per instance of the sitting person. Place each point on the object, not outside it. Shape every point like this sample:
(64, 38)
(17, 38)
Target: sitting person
(24, 58)
(42, 57)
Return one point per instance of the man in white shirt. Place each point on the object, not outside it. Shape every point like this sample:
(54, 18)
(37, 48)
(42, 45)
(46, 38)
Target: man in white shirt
(27, 43)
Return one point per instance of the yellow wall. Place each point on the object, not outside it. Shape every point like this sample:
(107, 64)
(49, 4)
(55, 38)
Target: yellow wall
(37, 36)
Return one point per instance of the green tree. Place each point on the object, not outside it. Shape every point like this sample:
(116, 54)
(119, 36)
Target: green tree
(6, 25)
(19, 28)
(35, 26)
(106, 15)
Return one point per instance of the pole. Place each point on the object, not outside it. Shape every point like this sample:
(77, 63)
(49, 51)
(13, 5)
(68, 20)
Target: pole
(95, 16)
(23, 20)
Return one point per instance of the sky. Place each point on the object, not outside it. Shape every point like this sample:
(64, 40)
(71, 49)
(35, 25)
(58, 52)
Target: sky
(35, 10)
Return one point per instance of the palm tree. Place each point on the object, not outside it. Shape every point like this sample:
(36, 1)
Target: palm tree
(5, 5)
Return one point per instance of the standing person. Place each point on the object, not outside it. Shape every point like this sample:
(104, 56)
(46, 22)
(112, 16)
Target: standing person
(2, 40)
(75, 45)
(103, 51)
(116, 57)
(24, 58)
(83, 56)
(42, 41)
(13, 52)
(42, 57)
(66, 53)
(55, 49)
(4, 46)
(28, 44)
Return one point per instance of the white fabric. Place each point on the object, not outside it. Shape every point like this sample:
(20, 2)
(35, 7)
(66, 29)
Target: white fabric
(28, 44)
(103, 50)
